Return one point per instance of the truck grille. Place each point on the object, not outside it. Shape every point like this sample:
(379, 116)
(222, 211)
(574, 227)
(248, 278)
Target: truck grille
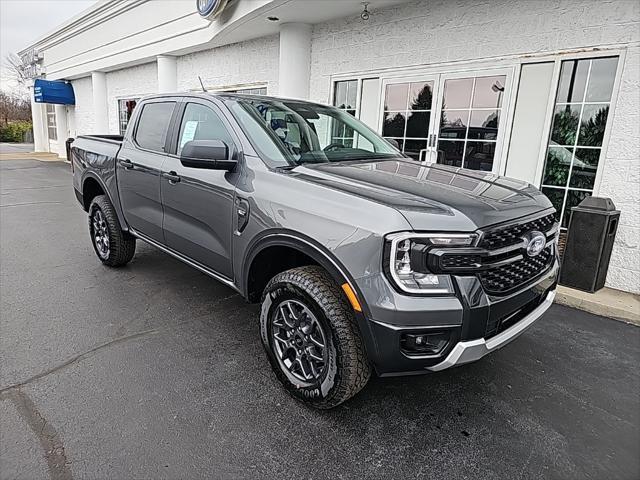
(499, 260)
(512, 234)
(508, 277)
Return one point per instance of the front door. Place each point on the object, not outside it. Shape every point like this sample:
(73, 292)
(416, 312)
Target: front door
(451, 118)
(198, 203)
(138, 169)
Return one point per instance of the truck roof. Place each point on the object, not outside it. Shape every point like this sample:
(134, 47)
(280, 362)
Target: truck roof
(229, 96)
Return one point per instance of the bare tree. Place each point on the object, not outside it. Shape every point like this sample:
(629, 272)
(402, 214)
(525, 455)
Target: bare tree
(14, 74)
(13, 107)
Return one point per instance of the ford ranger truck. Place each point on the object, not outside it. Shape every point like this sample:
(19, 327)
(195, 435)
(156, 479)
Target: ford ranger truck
(364, 260)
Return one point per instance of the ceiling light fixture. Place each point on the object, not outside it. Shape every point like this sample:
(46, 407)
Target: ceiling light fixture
(365, 12)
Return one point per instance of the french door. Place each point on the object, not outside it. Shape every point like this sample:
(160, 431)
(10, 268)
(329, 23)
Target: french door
(455, 119)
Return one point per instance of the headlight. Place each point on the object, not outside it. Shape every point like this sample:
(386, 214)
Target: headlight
(407, 265)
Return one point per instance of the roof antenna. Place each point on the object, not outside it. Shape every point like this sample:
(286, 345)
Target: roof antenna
(202, 84)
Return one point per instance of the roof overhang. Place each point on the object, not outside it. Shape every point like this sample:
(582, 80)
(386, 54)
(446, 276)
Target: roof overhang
(121, 33)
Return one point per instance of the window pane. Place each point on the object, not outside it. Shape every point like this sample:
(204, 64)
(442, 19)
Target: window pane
(352, 92)
(396, 96)
(412, 148)
(592, 125)
(457, 93)
(488, 92)
(202, 123)
(573, 79)
(418, 124)
(450, 153)
(340, 96)
(393, 125)
(483, 124)
(556, 196)
(585, 166)
(556, 168)
(453, 123)
(603, 73)
(574, 198)
(152, 127)
(420, 96)
(565, 124)
(479, 155)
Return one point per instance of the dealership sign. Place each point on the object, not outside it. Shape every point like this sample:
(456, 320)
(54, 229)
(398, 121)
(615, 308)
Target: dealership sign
(31, 63)
(210, 8)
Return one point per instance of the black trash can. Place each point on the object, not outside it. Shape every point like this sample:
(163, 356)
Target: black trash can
(68, 147)
(592, 230)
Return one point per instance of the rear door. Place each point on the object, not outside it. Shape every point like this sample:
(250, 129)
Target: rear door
(139, 167)
(198, 203)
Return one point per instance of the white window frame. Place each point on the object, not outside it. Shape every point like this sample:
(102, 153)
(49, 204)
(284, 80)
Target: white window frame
(514, 62)
(52, 122)
(546, 132)
(137, 99)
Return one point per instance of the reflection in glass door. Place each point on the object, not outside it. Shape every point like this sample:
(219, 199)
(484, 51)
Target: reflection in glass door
(407, 116)
(470, 116)
(454, 119)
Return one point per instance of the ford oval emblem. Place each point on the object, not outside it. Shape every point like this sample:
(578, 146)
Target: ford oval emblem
(210, 8)
(534, 243)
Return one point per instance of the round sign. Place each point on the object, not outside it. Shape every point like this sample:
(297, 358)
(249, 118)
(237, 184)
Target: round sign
(210, 8)
(534, 243)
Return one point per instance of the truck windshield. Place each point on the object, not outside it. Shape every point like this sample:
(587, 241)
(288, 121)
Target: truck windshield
(304, 132)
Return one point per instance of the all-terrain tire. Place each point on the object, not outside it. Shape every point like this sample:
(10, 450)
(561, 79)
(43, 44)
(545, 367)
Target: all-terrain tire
(121, 246)
(347, 370)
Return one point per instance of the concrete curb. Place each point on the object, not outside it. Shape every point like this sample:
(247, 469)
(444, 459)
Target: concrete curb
(606, 302)
(42, 156)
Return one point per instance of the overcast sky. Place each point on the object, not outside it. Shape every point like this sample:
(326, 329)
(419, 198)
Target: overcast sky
(24, 21)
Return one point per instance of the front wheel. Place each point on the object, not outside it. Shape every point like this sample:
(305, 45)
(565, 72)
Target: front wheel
(309, 333)
(113, 246)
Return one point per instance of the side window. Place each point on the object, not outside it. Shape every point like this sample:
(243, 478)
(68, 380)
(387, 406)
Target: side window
(151, 132)
(202, 123)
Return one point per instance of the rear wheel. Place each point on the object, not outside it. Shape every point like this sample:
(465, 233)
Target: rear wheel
(113, 246)
(309, 333)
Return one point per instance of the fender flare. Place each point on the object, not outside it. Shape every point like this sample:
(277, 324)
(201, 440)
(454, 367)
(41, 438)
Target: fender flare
(306, 245)
(116, 205)
(325, 259)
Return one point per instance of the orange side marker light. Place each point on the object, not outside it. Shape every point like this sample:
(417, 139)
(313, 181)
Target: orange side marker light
(348, 291)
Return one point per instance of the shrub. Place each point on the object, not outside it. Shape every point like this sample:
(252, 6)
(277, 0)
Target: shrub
(14, 131)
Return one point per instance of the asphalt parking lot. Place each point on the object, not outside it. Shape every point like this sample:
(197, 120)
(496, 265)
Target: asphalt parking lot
(156, 371)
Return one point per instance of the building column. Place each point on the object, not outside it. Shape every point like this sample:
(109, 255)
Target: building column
(295, 60)
(38, 117)
(167, 74)
(62, 130)
(100, 102)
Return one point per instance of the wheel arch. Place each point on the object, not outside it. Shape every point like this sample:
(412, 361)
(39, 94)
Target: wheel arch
(301, 243)
(92, 180)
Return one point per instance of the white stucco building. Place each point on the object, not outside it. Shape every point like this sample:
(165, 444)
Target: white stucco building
(546, 91)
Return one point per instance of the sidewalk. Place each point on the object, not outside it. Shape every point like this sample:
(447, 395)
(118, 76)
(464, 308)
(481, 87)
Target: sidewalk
(606, 302)
(17, 151)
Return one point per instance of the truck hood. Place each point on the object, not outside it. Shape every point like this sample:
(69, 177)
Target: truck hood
(433, 196)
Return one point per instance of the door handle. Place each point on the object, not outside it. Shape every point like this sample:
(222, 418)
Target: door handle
(172, 176)
(126, 164)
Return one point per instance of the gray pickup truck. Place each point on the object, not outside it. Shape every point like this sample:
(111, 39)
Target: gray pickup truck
(364, 260)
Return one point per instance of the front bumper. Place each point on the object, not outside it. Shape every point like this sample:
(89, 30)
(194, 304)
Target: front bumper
(478, 322)
(472, 350)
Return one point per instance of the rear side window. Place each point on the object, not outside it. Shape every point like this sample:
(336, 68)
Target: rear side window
(153, 125)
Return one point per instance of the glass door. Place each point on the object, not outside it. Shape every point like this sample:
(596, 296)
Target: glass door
(451, 118)
(470, 121)
(407, 116)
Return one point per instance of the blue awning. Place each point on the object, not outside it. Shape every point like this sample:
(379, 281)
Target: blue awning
(59, 92)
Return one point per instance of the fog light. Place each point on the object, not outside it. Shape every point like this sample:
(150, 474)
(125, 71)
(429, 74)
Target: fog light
(430, 343)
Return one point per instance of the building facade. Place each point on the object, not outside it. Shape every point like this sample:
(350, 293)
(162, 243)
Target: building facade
(546, 91)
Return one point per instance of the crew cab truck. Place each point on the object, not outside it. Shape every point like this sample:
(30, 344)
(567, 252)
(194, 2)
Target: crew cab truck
(364, 260)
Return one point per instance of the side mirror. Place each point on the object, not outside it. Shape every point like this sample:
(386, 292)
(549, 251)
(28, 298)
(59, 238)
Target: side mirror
(211, 154)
